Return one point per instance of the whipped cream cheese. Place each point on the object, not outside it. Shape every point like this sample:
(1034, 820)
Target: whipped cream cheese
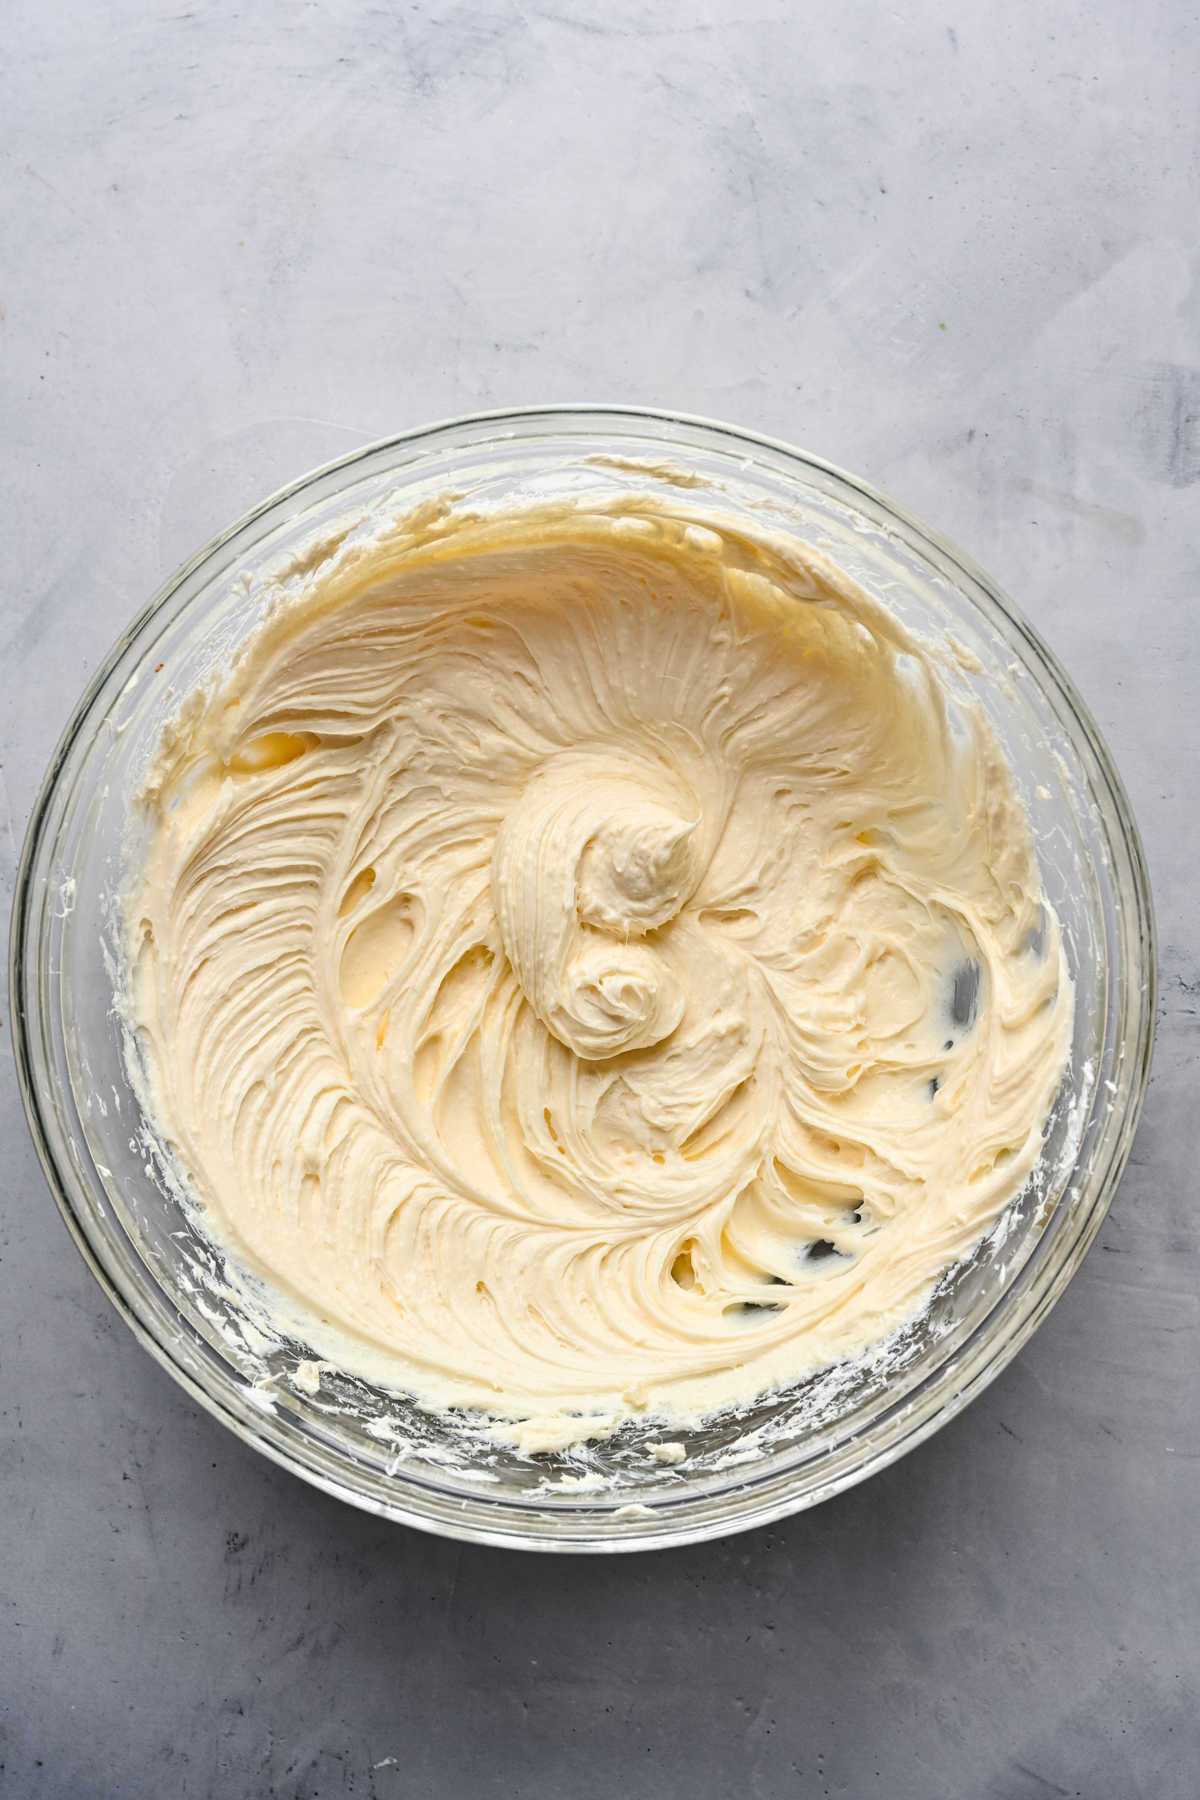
(585, 956)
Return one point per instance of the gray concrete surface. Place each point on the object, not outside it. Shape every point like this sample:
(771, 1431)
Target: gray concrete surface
(951, 247)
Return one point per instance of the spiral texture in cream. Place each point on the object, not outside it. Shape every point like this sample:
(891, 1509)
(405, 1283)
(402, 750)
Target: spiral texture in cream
(586, 957)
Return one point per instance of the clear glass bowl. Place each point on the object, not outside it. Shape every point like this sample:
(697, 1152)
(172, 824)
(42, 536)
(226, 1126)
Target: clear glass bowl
(148, 1250)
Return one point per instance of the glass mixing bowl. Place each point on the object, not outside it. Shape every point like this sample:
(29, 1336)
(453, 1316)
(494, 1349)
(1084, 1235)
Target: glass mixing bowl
(147, 1247)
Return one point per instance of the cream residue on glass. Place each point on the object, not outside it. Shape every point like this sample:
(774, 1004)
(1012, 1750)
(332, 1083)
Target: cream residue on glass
(586, 957)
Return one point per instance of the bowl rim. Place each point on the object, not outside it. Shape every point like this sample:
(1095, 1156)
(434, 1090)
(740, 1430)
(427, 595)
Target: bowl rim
(757, 1503)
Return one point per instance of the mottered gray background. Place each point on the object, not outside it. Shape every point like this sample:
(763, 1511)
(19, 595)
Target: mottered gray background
(951, 247)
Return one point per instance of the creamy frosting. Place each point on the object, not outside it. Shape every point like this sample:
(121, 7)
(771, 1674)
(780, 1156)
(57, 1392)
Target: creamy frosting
(586, 957)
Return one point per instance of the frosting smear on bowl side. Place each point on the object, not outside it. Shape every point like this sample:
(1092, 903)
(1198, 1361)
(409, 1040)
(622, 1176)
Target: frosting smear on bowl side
(587, 958)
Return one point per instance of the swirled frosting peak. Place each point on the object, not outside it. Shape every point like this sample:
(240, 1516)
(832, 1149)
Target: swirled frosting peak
(593, 856)
(585, 957)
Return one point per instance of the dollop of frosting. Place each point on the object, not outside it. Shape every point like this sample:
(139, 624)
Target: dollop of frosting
(589, 858)
(585, 956)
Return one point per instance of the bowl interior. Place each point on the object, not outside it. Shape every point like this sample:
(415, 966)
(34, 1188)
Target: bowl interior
(150, 1249)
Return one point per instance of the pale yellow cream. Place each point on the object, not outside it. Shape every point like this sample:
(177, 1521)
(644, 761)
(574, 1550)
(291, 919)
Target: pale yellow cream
(585, 957)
